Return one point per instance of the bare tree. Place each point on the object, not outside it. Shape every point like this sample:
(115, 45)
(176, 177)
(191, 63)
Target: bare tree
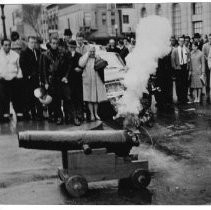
(31, 15)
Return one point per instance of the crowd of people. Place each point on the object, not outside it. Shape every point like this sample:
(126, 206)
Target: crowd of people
(66, 71)
(188, 65)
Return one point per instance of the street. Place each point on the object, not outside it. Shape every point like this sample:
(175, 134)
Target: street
(179, 159)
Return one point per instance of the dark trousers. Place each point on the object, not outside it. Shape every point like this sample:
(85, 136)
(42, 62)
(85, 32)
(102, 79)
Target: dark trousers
(11, 91)
(31, 103)
(67, 103)
(4, 105)
(77, 106)
(73, 101)
(182, 84)
(55, 107)
(207, 72)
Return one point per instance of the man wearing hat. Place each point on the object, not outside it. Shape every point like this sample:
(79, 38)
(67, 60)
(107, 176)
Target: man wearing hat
(74, 79)
(67, 37)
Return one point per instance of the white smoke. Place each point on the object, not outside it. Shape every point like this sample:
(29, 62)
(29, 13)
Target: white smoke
(152, 42)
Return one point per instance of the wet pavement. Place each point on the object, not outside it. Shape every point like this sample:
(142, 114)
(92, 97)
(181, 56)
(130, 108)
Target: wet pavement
(180, 158)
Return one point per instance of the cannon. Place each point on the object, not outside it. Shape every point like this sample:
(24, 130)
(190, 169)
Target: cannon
(92, 155)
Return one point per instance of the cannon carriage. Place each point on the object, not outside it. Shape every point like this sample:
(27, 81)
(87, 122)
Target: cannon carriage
(93, 155)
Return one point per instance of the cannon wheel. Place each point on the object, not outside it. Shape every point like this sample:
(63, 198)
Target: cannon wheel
(140, 178)
(76, 186)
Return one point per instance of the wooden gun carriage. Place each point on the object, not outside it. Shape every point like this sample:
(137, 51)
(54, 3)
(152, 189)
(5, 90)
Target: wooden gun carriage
(93, 155)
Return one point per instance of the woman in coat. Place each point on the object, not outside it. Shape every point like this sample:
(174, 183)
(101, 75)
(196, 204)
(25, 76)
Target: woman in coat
(197, 71)
(94, 90)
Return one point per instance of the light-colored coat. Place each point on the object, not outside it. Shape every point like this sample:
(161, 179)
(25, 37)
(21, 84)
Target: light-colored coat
(93, 87)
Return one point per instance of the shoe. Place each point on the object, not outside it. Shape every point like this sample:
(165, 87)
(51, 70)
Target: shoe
(77, 122)
(97, 117)
(59, 121)
(6, 119)
(20, 117)
(67, 120)
(39, 118)
(34, 117)
(51, 118)
(26, 116)
(92, 119)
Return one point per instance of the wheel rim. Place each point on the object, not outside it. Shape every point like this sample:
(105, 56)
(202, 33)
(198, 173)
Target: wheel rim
(140, 178)
(76, 186)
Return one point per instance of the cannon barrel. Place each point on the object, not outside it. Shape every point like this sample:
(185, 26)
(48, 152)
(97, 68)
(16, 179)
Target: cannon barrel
(118, 141)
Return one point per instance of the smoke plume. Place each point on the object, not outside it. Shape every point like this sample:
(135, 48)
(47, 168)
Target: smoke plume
(152, 42)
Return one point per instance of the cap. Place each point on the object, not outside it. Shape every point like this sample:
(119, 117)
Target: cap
(67, 32)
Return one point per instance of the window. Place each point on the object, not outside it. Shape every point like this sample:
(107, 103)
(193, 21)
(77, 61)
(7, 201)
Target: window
(103, 18)
(120, 6)
(143, 12)
(112, 21)
(126, 19)
(158, 9)
(87, 19)
(197, 8)
(197, 27)
(176, 20)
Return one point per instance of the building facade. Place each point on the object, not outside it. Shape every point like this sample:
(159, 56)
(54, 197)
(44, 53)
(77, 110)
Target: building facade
(186, 18)
(107, 20)
(97, 20)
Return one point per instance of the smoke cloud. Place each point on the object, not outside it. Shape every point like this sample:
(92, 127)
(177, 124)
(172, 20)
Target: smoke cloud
(152, 42)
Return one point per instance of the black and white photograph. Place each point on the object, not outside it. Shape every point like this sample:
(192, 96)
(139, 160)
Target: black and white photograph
(105, 103)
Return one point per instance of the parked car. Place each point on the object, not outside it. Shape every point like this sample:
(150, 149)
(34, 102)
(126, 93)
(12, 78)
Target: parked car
(114, 74)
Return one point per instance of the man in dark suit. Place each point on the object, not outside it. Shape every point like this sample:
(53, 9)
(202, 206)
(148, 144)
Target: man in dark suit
(123, 51)
(74, 79)
(179, 62)
(29, 63)
(52, 69)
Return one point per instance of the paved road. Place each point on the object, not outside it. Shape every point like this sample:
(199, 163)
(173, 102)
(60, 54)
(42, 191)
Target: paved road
(180, 158)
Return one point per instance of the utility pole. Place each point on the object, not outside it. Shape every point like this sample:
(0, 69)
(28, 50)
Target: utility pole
(3, 21)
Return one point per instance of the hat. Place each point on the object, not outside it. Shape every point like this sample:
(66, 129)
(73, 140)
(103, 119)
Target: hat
(47, 99)
(42, 95)
(72, 43)
(39, 92)
(67, 32)
(197, 35)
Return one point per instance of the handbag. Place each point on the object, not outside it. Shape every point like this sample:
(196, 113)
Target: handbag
(99, 66)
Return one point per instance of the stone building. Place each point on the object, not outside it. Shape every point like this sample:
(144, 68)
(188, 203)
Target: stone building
(98, 20)
(186, 18)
